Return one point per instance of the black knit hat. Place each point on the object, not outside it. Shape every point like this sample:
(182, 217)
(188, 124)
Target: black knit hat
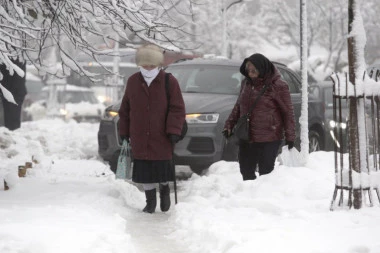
(261, 63)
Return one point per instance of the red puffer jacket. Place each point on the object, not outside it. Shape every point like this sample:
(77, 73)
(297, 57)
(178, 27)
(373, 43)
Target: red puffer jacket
(273, 115)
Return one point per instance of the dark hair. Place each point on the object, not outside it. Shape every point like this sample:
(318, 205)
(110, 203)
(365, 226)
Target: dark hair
(261, 63)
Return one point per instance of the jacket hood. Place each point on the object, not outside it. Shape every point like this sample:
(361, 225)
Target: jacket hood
(261, 63)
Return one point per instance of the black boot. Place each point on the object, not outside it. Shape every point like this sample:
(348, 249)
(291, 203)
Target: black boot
(164, 197)
(151, 201)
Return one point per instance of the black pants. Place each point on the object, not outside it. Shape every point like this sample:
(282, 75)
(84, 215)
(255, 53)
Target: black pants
(12, 112)
(262, 154)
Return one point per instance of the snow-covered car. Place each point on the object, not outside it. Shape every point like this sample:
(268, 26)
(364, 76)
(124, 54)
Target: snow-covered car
(210, 88)
(67, 102)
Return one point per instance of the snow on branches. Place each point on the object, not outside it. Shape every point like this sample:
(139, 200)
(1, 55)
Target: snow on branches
(34, 30)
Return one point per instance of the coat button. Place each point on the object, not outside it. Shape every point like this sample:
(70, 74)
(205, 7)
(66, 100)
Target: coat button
(147, 133)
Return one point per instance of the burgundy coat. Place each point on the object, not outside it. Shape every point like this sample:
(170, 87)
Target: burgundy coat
(273, 115)
(143, 116)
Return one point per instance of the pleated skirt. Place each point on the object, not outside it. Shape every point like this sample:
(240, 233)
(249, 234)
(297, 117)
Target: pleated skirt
(152, 171)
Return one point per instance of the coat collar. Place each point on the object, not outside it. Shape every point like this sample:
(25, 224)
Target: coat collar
(159, 78)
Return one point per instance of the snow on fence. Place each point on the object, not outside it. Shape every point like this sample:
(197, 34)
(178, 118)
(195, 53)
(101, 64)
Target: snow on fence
(367, 94)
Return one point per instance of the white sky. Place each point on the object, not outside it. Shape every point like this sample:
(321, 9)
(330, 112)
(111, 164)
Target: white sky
(70, 202)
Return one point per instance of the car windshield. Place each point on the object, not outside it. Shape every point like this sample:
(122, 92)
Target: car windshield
(207, 78)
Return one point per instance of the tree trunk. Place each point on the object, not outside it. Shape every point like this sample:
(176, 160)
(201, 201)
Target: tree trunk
(354, 155)
(304, 66)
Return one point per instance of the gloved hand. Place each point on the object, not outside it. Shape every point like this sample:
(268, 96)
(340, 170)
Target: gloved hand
(290, 144)
(124, 137)
(226, 133)
(174, 138)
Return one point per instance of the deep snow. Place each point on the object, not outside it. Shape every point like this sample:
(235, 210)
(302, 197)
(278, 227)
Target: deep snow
(71, 202)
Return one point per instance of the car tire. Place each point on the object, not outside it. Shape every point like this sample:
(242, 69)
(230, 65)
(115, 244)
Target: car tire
(315, 143)
(113, 162)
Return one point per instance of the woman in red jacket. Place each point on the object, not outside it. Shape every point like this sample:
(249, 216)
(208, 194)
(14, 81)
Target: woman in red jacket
(152, 127)
(271, 120)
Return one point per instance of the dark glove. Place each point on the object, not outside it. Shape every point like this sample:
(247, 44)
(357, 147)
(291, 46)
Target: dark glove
(226, 133)
(124, 137)
(174, 138)
(290, 144)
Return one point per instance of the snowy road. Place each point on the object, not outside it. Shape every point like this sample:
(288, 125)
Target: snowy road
(152, 233)
(79, 207)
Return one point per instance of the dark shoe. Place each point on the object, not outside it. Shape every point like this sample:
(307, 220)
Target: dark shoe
(151, 201)
(164, 197)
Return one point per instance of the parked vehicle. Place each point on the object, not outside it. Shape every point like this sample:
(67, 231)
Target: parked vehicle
(71, 102)
(34, 86)
(210, 88)
(332, 127)
(107, 85)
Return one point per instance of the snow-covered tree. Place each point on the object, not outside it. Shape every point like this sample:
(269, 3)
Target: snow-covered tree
(355, 176)
(327, 29)
(32, 29)
(236, 18)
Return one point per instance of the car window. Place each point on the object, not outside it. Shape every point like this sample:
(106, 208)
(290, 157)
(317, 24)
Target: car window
(33, 86)
(72, 97)
(326, 94)
(291, 80)
(207, 78)
(329, 100)
(75, 97)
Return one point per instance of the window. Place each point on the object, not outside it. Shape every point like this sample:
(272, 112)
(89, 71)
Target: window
(293, 82)
(207, 78)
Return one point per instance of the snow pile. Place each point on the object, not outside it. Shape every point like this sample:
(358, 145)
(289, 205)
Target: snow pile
(70, 202)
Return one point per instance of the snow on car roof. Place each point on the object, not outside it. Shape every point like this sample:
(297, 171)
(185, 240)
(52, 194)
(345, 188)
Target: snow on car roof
(69, 87)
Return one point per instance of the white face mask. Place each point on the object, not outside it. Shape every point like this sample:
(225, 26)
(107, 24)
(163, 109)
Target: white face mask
(149, 73)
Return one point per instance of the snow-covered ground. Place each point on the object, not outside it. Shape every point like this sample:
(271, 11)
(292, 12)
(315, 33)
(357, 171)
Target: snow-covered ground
(70, 202)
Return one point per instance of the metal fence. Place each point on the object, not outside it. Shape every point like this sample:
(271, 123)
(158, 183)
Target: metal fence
(347, 179)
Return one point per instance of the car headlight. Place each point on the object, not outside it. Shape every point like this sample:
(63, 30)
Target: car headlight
(334, 124)
(202, 118)
(110, 114)
(63, 111)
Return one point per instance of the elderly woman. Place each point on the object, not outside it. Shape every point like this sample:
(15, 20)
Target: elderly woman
(151, 125)
(271, 119)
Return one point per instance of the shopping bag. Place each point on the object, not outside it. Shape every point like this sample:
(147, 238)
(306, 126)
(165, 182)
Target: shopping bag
(290, 157)
(124, 163)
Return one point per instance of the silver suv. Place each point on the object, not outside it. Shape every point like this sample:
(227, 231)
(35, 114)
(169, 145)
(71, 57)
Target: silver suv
(210, 88)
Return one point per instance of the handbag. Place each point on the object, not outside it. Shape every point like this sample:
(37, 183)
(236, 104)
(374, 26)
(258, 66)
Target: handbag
(241, 129)
(184, 125)
(124, 168)
(240, 132)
